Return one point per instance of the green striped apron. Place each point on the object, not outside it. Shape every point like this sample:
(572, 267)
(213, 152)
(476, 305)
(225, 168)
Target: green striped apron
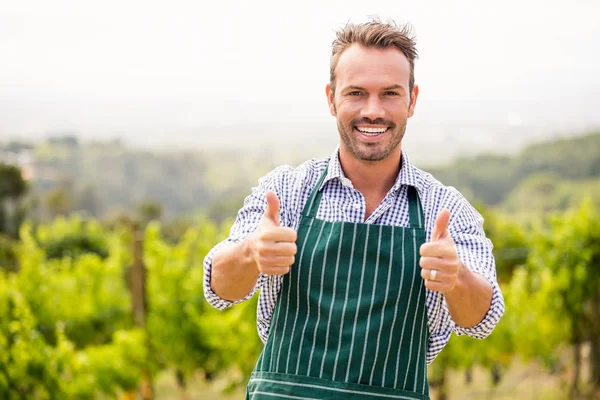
(350, 320)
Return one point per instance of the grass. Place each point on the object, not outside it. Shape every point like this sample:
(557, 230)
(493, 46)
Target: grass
(166, 388)
(520, 382)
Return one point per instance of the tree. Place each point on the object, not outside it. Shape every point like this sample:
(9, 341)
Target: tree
(509, 239)
(88, 201)
(225, 207)
(12, 188)
(59, 202)
(149, 211)
(8, 254)
(568, 248)
(12, 184)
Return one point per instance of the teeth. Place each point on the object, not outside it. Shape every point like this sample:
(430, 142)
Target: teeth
(371, 131)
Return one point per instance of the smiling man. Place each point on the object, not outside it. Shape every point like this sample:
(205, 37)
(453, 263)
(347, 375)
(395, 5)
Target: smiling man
(365, 264)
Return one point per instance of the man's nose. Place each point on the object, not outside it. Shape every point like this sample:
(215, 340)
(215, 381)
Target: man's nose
(373, 109)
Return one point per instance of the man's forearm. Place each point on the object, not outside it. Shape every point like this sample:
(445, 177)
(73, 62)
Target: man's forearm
(470, 299)
(234, 272)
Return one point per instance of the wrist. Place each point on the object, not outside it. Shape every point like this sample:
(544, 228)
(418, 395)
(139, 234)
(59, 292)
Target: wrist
(464, 274)
(249, 252)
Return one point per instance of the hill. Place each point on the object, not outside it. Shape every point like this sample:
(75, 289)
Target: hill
(104, 178)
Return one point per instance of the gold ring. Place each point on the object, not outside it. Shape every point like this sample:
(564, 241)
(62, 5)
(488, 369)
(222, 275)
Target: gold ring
(432, 275)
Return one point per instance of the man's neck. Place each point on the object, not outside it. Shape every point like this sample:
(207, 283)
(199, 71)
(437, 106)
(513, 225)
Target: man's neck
(371, 178)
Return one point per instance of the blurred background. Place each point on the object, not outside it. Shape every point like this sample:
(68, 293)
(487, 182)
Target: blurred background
(130, 133)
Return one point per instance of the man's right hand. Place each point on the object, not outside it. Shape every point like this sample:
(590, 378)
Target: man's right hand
(273, 246)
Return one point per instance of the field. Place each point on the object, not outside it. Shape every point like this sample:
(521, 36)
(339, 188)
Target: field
(522, 381)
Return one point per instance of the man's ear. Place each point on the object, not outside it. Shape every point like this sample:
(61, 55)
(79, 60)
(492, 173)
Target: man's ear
(330, 100)
(413, 101)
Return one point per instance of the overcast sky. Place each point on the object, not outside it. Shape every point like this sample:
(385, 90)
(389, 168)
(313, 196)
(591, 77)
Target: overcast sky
(131, 66)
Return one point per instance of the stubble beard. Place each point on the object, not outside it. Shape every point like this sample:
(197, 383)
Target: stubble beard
(371, 151)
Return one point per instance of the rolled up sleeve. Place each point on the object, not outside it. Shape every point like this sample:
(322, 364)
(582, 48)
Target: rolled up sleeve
(475, 252)
(211, 297)
(246, 222)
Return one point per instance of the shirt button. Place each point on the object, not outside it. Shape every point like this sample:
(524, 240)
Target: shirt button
(357, 206)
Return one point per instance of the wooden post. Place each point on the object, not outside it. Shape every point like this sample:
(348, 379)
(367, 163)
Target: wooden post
(138, 279)
(139, 302)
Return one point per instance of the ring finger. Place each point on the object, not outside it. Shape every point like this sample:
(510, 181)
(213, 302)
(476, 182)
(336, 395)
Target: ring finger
(437, 276)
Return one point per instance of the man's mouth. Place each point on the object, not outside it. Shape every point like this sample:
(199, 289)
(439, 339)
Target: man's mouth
(371, 131)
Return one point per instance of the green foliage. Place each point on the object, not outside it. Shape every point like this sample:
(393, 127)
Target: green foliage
(66, 324)
(574, 158)
(549, 277)
(226, 208)
(486, 177)
(66, 327)
(174, 285)
(75, 309)
(72, 238)
(86, 294)
(12, 185)
(491, 178)
(8, 254)
(541, 193)
(197, 336)
(568, 249)
(509, 239)
(233, 340)
(527, 330)
(497, 351)
(12, 190)
(74, 246)
(32, 368)
(108, 177)
(29, 367)
(59, 202)
(120, 364)
(149, 211)
(535, 331)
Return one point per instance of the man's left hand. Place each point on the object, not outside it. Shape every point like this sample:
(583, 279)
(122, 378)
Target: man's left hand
(440, 265)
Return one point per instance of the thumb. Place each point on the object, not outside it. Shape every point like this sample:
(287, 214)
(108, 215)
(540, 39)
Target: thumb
(272, 211)
(441, 225)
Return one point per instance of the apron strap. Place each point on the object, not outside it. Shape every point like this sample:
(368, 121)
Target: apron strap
(312, 205)
(414, 208)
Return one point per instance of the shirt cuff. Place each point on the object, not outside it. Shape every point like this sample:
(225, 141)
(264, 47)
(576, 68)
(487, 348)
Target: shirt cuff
(437, 342)
(211, 297)
(485, 327)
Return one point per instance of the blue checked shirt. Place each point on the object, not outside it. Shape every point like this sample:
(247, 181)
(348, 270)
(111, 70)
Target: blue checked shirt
(341, 202)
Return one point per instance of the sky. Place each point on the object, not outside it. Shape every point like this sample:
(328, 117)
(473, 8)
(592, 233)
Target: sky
(158, 69)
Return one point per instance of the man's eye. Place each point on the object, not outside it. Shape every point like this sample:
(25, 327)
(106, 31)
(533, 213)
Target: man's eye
(354, 93)
(390, 93)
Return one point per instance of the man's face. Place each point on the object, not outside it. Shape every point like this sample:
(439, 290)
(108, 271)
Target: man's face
(371, 101)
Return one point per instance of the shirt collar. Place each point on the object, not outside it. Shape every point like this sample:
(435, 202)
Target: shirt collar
(406, 176)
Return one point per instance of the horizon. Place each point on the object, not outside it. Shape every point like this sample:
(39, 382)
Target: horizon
(156, 76)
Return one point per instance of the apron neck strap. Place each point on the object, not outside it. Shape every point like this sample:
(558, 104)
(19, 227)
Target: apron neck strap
(312, 205)
(414, 208)
(414, 204)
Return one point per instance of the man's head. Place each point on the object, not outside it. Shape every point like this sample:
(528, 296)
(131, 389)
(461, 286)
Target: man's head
(371, 90)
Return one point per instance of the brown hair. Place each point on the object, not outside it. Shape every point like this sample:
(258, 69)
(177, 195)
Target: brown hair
(375, 34)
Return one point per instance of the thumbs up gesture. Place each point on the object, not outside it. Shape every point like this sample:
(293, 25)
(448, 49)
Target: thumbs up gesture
(440, 265)
(273, 246)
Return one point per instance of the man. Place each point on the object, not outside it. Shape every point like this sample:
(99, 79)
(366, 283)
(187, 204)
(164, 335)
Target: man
(366, 264)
